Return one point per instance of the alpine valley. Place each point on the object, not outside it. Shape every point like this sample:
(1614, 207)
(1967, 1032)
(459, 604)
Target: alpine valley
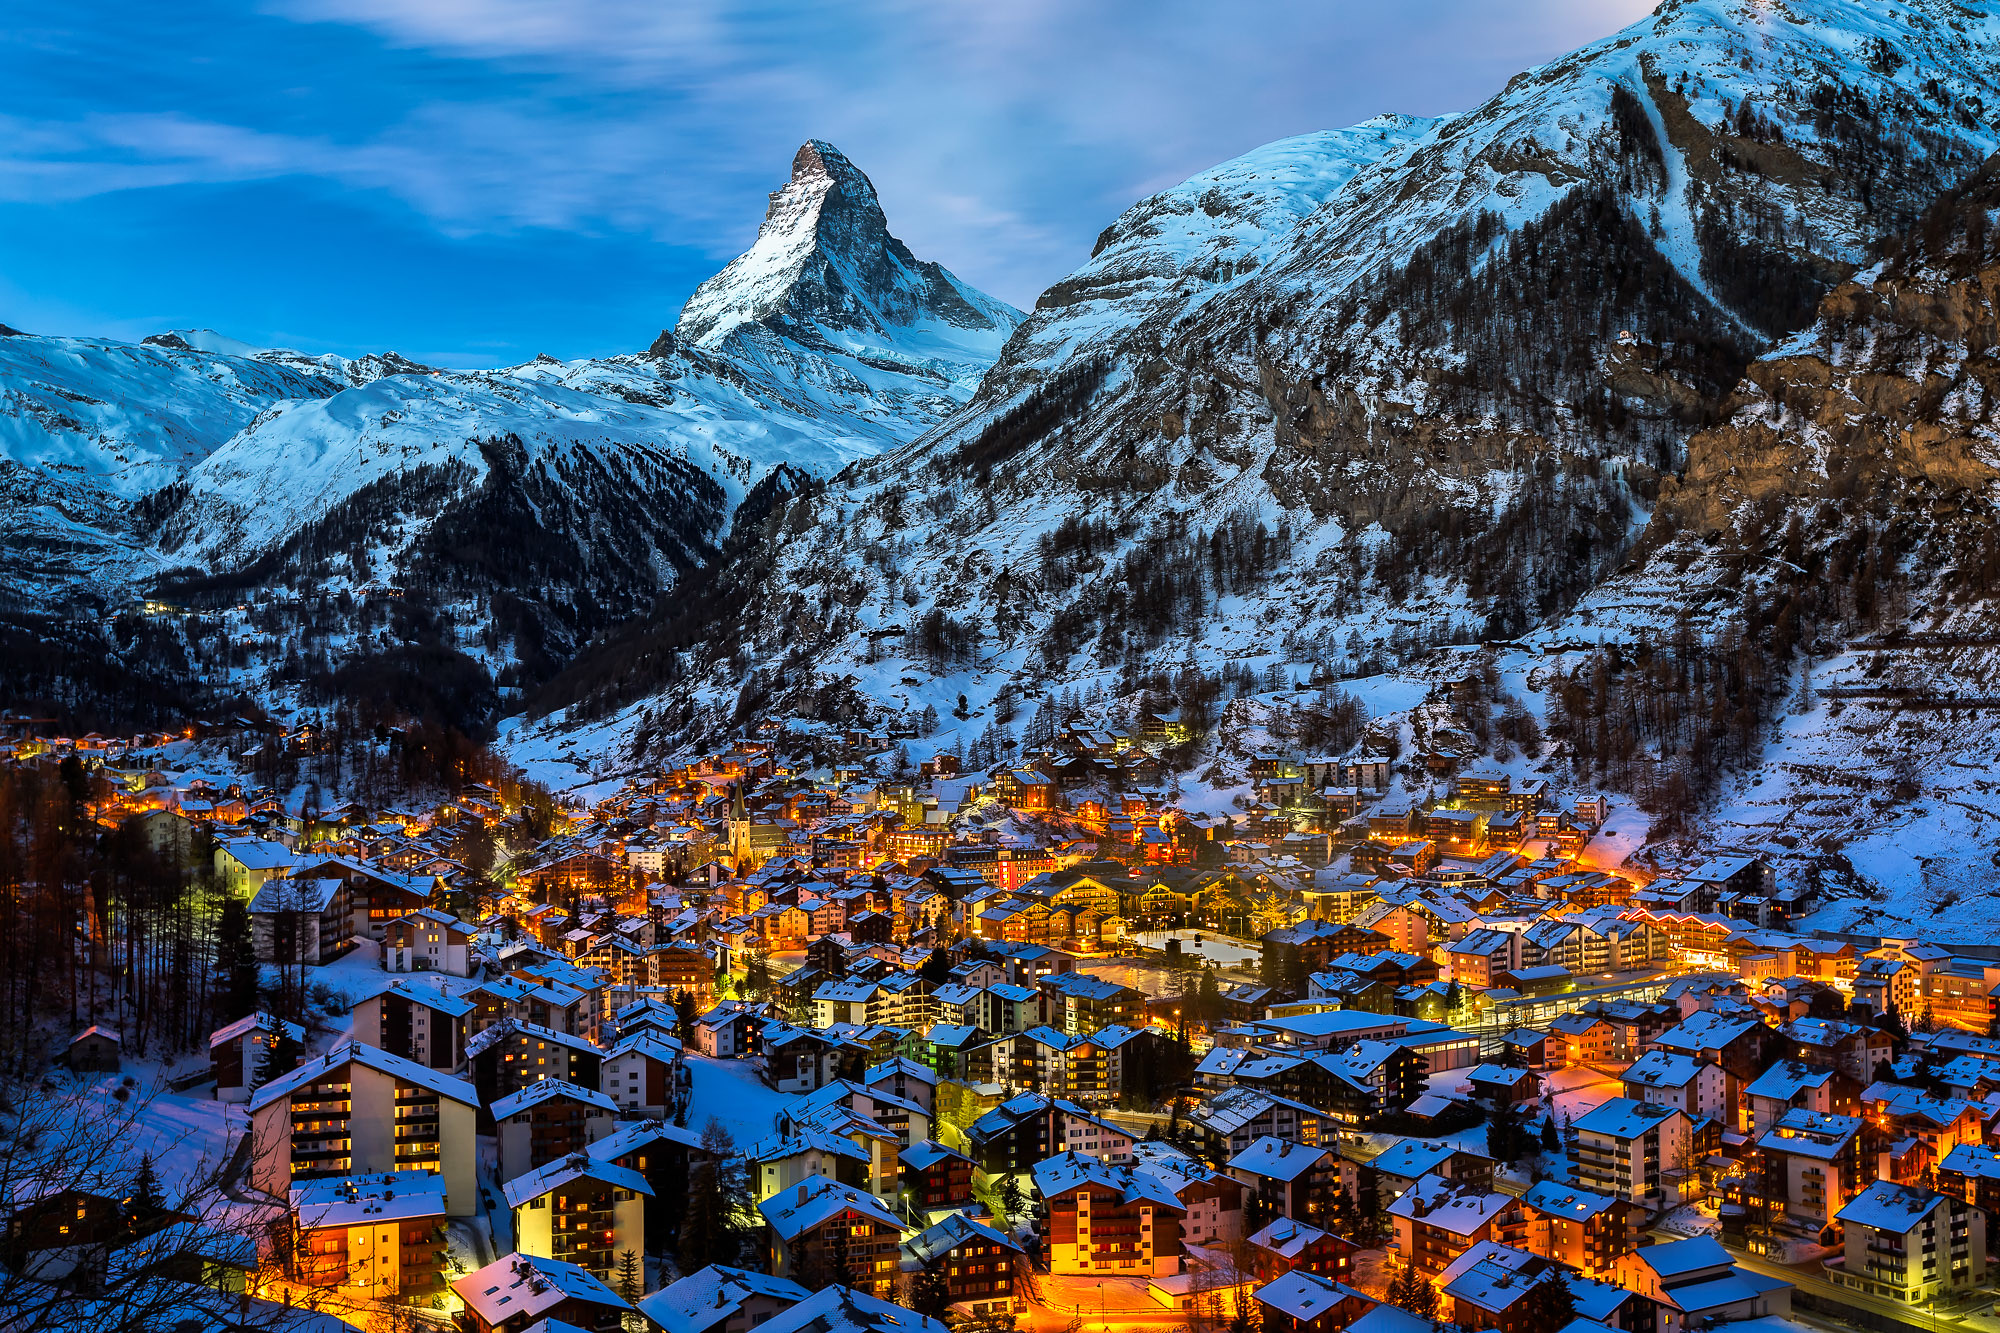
(1633, 430)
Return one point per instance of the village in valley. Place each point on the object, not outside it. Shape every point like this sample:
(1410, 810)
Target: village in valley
(806, 1033)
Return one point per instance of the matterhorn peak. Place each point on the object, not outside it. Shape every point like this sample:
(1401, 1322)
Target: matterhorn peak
(824, 268)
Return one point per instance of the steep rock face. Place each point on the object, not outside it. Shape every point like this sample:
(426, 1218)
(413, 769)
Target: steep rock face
(825, 274)
(1839, 529)
(1435, 406)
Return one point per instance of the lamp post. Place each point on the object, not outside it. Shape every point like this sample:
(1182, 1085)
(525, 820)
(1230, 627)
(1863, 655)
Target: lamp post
(1104, 1317)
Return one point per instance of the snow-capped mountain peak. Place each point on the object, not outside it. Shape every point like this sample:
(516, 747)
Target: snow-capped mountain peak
(825, 271)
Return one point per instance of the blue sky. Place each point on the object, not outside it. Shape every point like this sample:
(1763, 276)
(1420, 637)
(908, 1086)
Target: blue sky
(471, 182)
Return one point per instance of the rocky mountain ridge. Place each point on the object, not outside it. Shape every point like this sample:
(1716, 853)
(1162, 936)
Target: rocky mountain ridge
(1435, 403)
(239, 481)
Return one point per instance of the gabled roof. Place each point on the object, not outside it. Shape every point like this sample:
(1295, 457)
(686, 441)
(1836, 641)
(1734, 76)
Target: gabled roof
(1276, 1159)
(1624, 1118)
(950, 1232)
(1439, 1203)
(1681, 1257)
(797, 1210)
(521, 1283)
(369, 1057)
(243, 1027)
(576, 1166)
(1307, 1296)
(542, 1090)
(1414, 1158)
(702, 1300)
(1886, 1206)
(1287, 1237)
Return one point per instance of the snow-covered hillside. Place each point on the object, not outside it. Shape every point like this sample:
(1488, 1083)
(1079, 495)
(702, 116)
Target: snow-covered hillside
(1356, 394)
(206, 467)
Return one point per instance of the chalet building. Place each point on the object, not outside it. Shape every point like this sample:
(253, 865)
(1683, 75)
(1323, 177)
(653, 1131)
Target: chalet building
(1437, 1221)
(358, 1110)
(372, 1237)
(510, 1055)
(581, 1210)
(418, 1021)
(427, 940)
(1695, 1284)
(1408, 1161)
(1305, 1302)
(1233, 1119)
(519, 1291)
(935, 1177)
(548, 1121)
(1637, 1151)
(646, 1075)
(1104, 1218)
(818, 1222)
(1289, 1179)
(1587, 1231)
(1791, 1085)
(302, 920)
(1813, 1163)
(237, 1053)
(1287, 1244)
(1910, 1244)
(977, 1260)
(1684, 1082)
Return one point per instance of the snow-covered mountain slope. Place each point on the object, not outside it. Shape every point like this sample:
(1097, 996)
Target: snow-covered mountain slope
(222, 475)
(1172, 252)
(130, 417)
(826, 275)
(1842, 524)
(1439, 407)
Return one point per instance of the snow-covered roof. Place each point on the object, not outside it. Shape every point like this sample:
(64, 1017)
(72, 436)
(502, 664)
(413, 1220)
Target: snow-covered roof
(1414, 1158)
(701, 1300)
(950, 1232)
(1306, 1296)
(347, 1201)
(1439, 1203)
(244, 1026)
(370, 1057)
(798, 1209)
(1663, 1069)
(1681, 1257)
(576, 1166)
(1887, 1206)
(1624, 1118)
(1276, 1159)
(542, 1090)
(523, 1283)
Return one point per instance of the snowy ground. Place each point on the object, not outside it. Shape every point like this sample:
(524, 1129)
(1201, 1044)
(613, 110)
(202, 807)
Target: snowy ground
(731, 1091)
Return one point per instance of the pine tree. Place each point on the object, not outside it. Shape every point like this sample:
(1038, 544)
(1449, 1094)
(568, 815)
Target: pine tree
(146, 1201)
(631, 1282)
(1208, 999)
(757, 975)
(1411, 1292)
(930, 1293)
(1551, 1304)
(1010, 1201)
(684, 1014)
(277, 1056)
(236, 953)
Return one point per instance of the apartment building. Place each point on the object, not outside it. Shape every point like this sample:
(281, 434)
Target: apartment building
(358, 1110)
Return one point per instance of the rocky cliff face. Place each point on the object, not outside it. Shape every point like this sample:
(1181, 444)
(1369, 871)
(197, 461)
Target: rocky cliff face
(1417, 383)
(1839, 527)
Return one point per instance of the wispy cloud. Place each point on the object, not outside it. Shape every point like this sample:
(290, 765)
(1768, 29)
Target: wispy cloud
(1002, 137)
